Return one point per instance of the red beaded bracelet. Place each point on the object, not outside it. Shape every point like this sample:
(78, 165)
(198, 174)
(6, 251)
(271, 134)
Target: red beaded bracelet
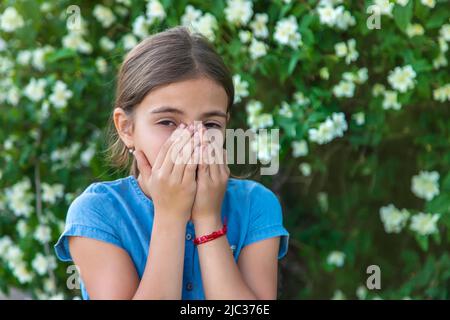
(211, 236)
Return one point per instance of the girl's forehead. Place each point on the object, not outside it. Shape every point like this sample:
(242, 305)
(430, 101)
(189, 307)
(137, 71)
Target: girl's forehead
(194, 95)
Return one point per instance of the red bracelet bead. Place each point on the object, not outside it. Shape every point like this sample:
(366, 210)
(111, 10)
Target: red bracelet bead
(211, 236)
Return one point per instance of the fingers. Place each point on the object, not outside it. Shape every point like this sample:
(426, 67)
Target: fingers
(191, 167)
(143, 164)
(224, 170)
(215, 159)
(165, 147)
(203, 167)
(185, 157)
(174, 150)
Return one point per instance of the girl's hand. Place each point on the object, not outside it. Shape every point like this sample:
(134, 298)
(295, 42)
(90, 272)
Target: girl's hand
(212, 179)
(171, 181)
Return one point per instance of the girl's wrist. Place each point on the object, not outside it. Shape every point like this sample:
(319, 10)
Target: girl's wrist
(208, 224)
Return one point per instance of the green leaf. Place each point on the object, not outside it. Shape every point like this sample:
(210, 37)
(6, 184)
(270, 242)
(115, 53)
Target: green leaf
(403, 15)
(61, 55)
(423, 242)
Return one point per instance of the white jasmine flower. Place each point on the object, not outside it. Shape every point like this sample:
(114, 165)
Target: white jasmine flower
(239, 12)
(13, 96)
(378, 89)
(352, 54)
(300, 99)
(444, 32)
(336, 258)
(402, 79)
(259, 25)
(265, 148)
(129, 41)
(101, 65)
(22, 228)
(385, 7)
(359, 118)
(338, 16)
(104, 15)
(340, 49)
(5, 244)
(425, 185)
(361, 292)
(11, 20)
(286, 32)
(155, 11)
(245, 36)
(35, 90)
(344, 89)
(106, 44)
(24, 57)
(305, 169)
(424, 223)
(257, 49)
(344, 19)
(332, 127)
(338, 295)
(362, 76)
(263, 120)
(240, 88)
(440, 61)
(285, 110)
(347, 50)
(190, 15)
(442, 94)
(60, 95)
(327, 15)
(324, 73)
(390, 100)
(299, 148)
(206, 25)
(38, 60)
(43, 233)
(140, 27)
(21, 273)
(87, 155)
(414, 30)
(19, 197)
(75, 41)
(428, 3)
(50, 193)
(393, 219)
(43, 264)
(253, 107)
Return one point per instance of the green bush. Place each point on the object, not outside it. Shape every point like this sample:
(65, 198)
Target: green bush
(360, 94)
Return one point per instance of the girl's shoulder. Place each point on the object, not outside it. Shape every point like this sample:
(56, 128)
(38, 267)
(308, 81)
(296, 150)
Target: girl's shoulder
(100, 196)
(250, 190)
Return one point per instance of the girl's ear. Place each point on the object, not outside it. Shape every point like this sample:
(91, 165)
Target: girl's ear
(124, 126)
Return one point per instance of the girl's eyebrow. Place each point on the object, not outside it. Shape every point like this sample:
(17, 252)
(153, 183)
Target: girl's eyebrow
(169, 109)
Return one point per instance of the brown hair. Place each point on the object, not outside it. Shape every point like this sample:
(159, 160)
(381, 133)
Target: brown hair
(173, 55)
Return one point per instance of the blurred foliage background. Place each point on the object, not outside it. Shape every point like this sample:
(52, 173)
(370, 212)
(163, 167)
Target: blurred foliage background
(359, 90)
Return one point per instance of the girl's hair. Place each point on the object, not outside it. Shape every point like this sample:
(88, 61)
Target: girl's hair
(170, 56)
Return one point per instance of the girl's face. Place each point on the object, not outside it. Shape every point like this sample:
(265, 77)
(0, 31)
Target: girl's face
(166, 107)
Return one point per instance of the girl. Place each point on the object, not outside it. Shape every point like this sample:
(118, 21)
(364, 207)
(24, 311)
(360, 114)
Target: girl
(133, 238)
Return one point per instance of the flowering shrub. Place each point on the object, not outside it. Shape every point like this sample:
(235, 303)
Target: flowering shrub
(359, 90)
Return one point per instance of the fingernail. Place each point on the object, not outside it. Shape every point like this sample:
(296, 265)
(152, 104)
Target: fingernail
(182, 126)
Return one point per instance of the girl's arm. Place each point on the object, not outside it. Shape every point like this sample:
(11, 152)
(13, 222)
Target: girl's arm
(107, 270)
(255, 275)
(109, 273)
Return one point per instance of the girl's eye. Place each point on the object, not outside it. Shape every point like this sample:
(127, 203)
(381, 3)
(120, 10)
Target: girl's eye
(167, 123)
(213, 125)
